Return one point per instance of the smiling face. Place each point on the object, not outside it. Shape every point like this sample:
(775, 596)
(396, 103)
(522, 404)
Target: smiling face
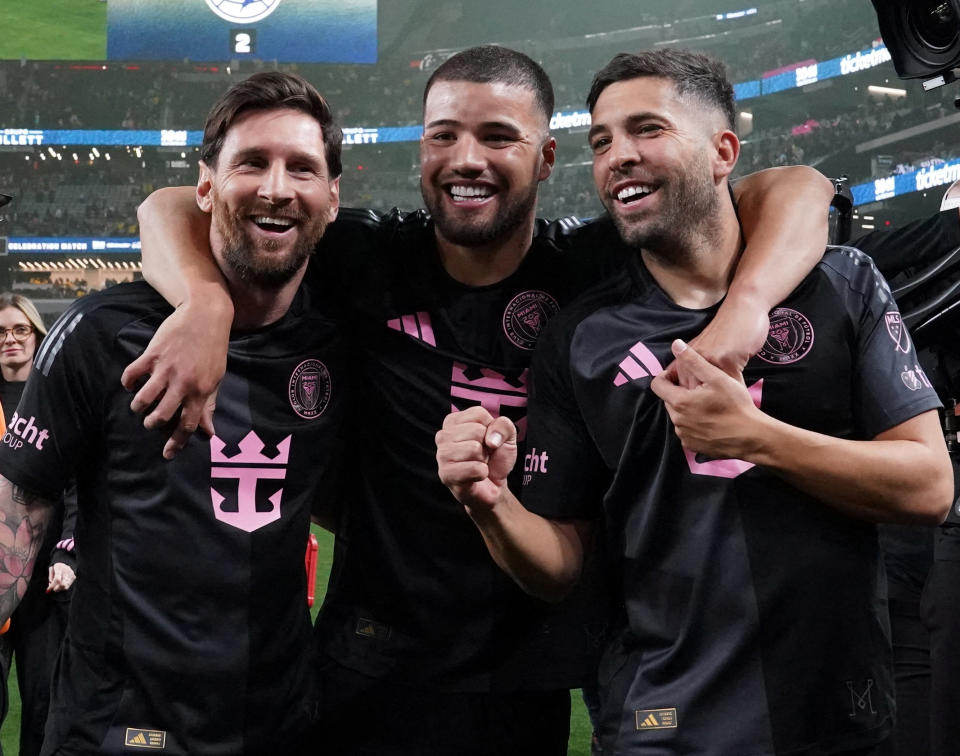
(484, 151)
(653, 161)
(270, 195)
(16, 357)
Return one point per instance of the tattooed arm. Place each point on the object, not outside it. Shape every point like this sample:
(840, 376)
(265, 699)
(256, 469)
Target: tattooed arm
(24, 517)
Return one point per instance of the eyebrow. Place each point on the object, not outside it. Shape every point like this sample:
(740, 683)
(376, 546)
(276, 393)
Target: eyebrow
(631, 120)
(259, 152)
(486, 124)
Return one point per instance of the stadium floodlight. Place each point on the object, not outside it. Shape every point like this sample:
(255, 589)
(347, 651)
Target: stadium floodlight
(923, 37)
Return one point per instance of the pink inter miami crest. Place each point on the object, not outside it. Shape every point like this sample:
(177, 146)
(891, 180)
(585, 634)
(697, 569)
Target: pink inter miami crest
(309, 389)
(790, 337)
(526, 315)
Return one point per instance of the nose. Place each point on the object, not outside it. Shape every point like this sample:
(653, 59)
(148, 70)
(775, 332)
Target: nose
(622, 154)
(8, 333)
(276, 186)
(468, 156)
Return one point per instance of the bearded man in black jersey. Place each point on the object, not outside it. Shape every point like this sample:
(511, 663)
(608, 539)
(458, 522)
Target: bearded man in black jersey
(737, 510)
(419, 629)
(189, 632)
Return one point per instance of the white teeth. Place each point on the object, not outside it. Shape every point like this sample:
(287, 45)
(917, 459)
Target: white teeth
(273, 221)
(631, 191)
(470, 192)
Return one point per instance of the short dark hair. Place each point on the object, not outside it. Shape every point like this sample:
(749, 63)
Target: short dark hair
(488, 64)
(692, 73)
(270, 90)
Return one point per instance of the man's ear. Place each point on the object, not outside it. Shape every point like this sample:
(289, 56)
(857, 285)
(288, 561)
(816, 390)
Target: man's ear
(727, 151)
(334, 199)
(205, 188)
(549, 154)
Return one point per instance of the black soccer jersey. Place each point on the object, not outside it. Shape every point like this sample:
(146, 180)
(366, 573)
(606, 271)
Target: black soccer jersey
(414, 593)
(189, 630)
(753, 617)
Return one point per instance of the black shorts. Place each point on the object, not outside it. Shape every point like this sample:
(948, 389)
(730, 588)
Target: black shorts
(364, 716)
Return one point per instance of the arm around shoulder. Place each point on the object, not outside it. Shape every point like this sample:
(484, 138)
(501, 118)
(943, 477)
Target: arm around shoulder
(186, 359)
(784, 215)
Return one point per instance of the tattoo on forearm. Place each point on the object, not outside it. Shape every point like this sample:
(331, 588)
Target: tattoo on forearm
(23, 522)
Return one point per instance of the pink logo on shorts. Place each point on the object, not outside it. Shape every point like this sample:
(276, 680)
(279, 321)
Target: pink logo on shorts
(897, 332)
(790, 337)
(309, 389)
(526, 315)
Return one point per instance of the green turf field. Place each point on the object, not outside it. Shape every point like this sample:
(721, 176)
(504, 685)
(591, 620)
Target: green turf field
(579, 724)
(53, 29)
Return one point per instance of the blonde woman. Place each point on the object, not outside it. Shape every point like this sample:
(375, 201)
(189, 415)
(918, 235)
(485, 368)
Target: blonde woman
(38, 626)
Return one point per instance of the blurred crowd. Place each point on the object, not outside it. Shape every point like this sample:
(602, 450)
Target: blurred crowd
(79, 194)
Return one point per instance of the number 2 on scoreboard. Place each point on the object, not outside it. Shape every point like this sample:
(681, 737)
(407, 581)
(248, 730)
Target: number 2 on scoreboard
(243, 41)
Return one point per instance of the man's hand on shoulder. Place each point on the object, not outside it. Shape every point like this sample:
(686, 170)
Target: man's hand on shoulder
(475, 454)
(180, 372)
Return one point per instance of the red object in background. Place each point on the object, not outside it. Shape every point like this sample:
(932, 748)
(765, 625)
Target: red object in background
(6, 625)
(310, 562)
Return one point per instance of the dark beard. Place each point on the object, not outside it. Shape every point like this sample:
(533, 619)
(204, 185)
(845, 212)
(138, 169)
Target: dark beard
(512, 217)
(690, 212)
(256, 264)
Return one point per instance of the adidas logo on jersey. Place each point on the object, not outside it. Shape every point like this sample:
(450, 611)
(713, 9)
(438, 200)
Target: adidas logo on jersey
(656, 719)
(416, 325)
(137, 738)
(639, 363)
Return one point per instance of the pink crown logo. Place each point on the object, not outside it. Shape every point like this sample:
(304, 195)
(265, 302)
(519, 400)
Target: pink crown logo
(251, 451)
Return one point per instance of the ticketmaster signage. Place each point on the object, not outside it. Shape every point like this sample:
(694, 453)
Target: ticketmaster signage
(932, 177)
(812, 73)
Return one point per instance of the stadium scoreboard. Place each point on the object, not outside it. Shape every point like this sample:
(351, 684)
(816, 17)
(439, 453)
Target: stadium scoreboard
(287, 31)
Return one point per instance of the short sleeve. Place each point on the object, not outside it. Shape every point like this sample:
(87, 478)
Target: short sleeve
(564, 476)
(57, 414)
(890, 386)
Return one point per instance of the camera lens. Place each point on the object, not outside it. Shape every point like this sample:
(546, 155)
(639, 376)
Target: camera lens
(933, 23)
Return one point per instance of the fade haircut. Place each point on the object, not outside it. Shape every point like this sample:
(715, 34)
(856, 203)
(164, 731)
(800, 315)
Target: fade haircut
(692, 74)
(490, 64)
(271, 90)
